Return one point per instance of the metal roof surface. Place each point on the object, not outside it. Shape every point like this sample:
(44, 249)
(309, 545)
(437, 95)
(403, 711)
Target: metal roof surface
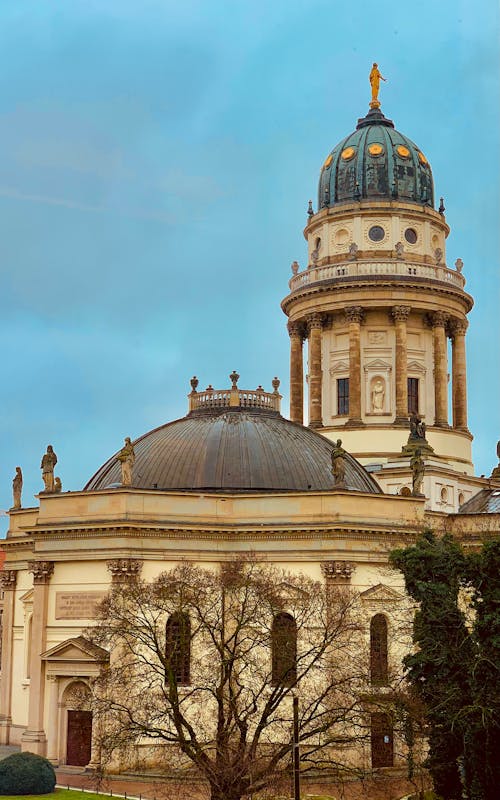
(234, 450)
(487, 501)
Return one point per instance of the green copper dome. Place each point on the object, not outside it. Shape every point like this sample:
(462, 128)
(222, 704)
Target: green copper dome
(375, 162)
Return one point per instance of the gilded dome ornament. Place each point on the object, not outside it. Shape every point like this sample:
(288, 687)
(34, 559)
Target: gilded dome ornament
(375, 78)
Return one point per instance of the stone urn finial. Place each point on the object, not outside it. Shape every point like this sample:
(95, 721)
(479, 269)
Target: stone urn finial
(194, 383)
(459, 264)
(234, 378)
(310, 212)
(276, 384)
(295, 267)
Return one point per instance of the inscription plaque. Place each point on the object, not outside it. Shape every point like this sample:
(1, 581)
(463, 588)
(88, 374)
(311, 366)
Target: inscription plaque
(77, 605)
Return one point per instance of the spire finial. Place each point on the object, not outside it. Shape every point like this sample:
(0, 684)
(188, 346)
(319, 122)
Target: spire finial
(375, 78)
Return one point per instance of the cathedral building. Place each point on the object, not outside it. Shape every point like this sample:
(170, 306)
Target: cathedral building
(377, 305)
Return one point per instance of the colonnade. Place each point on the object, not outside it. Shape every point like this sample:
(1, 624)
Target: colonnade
(442, 326)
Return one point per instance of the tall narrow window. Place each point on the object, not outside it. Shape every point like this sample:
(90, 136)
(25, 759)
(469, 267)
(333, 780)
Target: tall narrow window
(284, 650)
(412, 395)
(382, 740)
(378, 651)
(178, 648)
(342, 396)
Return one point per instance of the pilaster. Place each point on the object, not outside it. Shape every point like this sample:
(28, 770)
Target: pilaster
(34, 738)
(8, 582)
(354, 316)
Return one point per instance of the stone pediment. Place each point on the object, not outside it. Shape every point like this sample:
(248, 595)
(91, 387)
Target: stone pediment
(78, 649)
(339, 366)
(377, 363)
(416, 366)
(290, 592)
(381, 593)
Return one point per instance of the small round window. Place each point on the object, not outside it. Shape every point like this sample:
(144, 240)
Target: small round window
(348, 153)
(422, 158)
(402, 151)
(375, 149)
(328, 162)
(411, 235)
(376, 233)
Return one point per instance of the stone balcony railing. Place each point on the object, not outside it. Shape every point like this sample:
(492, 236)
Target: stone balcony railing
(333, 272)
(234, 397)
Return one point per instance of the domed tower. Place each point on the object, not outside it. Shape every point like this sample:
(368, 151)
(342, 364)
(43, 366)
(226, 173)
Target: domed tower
(378, 304)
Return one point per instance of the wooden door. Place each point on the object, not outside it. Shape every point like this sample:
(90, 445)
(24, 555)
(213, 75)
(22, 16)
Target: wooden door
(79, 740)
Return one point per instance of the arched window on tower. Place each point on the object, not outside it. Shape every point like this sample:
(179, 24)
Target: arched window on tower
(378, 651)
(178, 648)
(284, 650)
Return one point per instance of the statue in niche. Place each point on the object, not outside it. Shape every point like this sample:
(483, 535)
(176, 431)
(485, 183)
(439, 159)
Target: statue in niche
(417, 428)
(17, 488)
(126, 457)
(353, 251)
(338, 465)
(378, 396)
(417, 467)
(49, 461)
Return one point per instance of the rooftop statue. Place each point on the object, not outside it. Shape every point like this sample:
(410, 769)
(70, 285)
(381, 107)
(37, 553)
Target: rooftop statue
(338, 465)
(49, 461)
(17, 488)
(126, 457)
(375, 78)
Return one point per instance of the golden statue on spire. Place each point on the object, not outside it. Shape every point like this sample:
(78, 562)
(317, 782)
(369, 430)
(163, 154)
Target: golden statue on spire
(375, 78)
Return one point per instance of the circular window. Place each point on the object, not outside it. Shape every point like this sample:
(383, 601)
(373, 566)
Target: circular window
(348, 153)
(411, 235)
(422, 158)
(328, 162)
(342, 236)
(376, 233)
(402, 151)
(375, 149)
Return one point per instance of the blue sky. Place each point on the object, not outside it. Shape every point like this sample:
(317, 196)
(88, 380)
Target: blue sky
(156, 163)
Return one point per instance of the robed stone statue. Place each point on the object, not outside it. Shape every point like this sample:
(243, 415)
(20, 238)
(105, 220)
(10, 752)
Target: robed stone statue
(49, 461)
(17, 488)
(126, 457)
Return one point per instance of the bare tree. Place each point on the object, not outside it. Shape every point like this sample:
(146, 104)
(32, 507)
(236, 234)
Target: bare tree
(206, 663)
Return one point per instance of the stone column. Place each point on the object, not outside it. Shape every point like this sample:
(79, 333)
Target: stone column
(296, 373)
(33, 738)
(459, 374)
(354, 316)
(400, 315)
(53, 721)
(8, 583)
(438, 321)
(315, 371)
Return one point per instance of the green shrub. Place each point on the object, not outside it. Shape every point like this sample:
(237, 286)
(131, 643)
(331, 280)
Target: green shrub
(26, 773)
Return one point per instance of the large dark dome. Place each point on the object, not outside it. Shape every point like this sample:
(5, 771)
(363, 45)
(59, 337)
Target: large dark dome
(235, 450)
(375, 162)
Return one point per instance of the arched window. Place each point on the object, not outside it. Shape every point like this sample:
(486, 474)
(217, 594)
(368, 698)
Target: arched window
(284, 650)
(378, 651)
(382, 740)
(178, 648)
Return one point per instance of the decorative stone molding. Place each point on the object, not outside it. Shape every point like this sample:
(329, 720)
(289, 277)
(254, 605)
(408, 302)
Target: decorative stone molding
(400, 313)
(295, 329)
(457, 327)
(354, 314)
(315, 321)
(8, 579)
(438, 319)
(124, 569)
(337, 571)
(42, 571)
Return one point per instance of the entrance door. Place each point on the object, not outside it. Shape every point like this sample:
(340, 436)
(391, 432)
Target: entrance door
(79, 738)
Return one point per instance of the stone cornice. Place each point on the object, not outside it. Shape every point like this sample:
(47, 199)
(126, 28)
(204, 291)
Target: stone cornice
(373, 282)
